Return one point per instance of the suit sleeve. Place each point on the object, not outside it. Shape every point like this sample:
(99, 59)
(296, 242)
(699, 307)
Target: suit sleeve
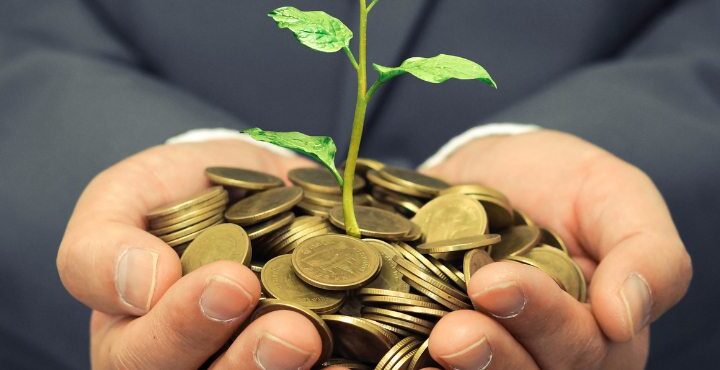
(656, 104)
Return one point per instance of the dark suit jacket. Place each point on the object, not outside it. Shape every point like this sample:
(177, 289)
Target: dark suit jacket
(84, 83)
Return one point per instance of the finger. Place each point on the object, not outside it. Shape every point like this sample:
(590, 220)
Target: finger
(192, 321)
(470, 340)
(106, 259)
(644, 268)
(557, 330)
(279, 340)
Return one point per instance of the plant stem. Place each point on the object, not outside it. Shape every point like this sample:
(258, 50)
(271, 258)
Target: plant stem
(372, 4)
(351, 225)
(372, 90)
(350, 56)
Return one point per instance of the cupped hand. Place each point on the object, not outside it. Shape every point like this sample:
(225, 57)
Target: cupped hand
(145, 315)
(617, 228)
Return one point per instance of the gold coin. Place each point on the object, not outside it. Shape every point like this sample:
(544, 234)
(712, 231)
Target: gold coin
(183, 224)
(313, 209)
(435, 294)
(397, 315)
(363, 165)
(390, 293)
(538, 265)
(420, 261)
(422, 359)
(320, 180)
(399, 331)
(552, 239)
(273, 224)
(202, 225)
(289, 245)
(404, 361)
(413, 179)
(557, 264)
(406, 205)
(377, 180)
(427, 279)
(433, 312)
(399, 349)
(499, 213)
(348, 364)
(279, 281)
(216, 243)
(270, 305)
(520, 218)
(388, 278)
(476, 189)
(414, 234)
(382, 301)
(357, 339)
(215, 204)
(189, 237)
(415, 328)
(460, 244)
(450, 217)
(515, 241)
(242, 178)
(293, 235)
(451, 272)
(264, 205)
(335, 262)
(374, 222)
(473, 261)
(331, 200)
(184, 204)
(284, 231)
(180, 249)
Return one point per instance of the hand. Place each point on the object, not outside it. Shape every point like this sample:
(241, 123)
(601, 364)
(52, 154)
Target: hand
(617, 228)
(109, 262)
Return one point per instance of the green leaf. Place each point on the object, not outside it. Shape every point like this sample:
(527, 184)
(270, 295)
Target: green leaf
(314, 29)
(319, 148)
(437, 69)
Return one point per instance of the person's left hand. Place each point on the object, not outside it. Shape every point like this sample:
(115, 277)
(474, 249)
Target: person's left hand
(617, 228)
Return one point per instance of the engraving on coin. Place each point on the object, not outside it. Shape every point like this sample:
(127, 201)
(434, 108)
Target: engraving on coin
(335, 262)
(451, 216)
(219, 242)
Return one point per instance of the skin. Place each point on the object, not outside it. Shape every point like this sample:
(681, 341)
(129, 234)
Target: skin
(608, 212)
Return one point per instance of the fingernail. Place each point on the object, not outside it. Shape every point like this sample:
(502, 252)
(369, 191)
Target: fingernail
(504, 300)
(273, 353)
(477, 356)
(637, 297)
(223, 299)
(135, 278)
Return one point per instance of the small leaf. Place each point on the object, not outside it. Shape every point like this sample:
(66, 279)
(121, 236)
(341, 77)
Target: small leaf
(314, 29)
(437, 69)
(319, 148)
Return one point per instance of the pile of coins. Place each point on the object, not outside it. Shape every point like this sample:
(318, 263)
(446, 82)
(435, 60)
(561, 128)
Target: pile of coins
(373, 300)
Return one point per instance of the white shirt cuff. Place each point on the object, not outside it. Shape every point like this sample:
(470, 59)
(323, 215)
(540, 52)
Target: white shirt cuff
(207, 134)
(476, 132)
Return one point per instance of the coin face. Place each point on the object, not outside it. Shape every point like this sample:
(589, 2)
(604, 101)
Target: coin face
(268, 226)
(357, 339)
(320, 180)
(335, 262)
(219, 242)
(451, 216)
(264, 205)
(389, 277)
(374, 222)
(270, 305)
(413, 179)
(516, 240)
(552, 239)
(279, 281)
(558, 265)
(242, 178)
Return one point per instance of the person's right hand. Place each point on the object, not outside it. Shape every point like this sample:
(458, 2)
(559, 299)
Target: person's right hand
(146, 316)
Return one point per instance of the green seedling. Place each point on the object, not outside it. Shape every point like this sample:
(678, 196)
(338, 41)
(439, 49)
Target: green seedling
(323, 32)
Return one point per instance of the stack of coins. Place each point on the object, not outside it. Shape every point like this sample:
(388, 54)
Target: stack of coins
(179, 223)
(373, 300)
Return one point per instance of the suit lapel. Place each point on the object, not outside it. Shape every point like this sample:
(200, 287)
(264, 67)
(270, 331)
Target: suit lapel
(389, 26)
